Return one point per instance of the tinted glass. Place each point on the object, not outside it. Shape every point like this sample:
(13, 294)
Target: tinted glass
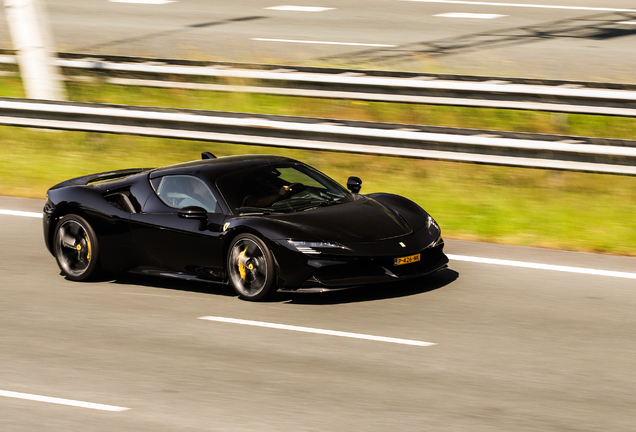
(279, 188)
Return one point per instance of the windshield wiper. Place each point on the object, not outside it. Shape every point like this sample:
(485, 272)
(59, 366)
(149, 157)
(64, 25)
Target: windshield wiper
(318, 205)
(330, 202)
(255, 213)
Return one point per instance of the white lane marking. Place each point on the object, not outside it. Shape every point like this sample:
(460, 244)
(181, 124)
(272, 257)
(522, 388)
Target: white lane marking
(300, 8)
(524, 5)
(21, 213)
(59, 401)
(322, 42)
(538, 266)
(469, 15)
(154, 2)
(318, 331)
(628, 22)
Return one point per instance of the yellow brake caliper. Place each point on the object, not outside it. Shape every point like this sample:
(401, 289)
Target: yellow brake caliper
(241, 267)
(88, 245)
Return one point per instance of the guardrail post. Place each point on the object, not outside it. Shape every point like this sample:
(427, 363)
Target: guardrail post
(33, 41)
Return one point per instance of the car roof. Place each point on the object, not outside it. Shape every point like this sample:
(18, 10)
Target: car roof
(214, 168)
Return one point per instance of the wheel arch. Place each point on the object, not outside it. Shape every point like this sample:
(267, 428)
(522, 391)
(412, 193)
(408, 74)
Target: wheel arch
(246, 229)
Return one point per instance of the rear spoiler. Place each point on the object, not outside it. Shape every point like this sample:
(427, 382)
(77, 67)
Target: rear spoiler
(109, 175)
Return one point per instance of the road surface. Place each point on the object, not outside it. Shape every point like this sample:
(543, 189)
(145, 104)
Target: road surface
(558, 39)
(510, 348)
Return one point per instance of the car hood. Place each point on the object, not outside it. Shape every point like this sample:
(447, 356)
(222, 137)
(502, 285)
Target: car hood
(362, 220)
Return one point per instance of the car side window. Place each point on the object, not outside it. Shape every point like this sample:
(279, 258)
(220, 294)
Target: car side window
(181, 191)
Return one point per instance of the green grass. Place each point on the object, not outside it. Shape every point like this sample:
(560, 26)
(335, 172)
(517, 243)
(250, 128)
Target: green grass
(575, 211)
(476, 118)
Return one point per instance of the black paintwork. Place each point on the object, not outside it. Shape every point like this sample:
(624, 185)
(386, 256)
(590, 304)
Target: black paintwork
(137, 231)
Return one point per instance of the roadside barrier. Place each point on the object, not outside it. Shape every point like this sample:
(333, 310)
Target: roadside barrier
(576, 97)
(559, 152)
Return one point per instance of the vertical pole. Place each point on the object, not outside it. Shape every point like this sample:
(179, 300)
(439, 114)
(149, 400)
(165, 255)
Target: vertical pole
(33, 42)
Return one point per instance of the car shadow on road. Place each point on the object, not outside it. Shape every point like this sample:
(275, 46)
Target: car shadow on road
(173, 284)
(357, 294)
(411, 287)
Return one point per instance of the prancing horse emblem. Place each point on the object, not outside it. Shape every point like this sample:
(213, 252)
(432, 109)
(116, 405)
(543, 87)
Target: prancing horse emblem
(402, 244)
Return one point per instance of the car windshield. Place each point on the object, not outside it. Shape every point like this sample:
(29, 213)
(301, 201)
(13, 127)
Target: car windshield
(283, 188)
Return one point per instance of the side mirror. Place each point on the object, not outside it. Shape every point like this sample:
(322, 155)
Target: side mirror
(354, 184)
(197, 213)
(193, 212)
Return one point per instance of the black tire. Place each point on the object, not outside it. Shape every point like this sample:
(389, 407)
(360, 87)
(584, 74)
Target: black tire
(75, 248)
(251, 268)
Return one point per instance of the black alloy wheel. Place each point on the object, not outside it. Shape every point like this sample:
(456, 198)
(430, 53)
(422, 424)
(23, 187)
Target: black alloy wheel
(251, 268)
(75, 247)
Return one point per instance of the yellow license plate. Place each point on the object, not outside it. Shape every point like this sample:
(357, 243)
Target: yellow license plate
(406, 260)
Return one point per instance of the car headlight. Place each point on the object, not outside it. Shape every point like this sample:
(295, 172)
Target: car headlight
(435, 231)
(430, 222)
(313, 248)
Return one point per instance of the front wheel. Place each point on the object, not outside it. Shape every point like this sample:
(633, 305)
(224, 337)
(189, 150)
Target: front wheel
(251, 268)
(75, 247)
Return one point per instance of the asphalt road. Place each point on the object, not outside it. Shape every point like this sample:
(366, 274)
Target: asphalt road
(516, 349)
(559, 39)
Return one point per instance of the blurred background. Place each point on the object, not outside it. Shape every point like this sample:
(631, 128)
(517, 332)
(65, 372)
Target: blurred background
(570, 40)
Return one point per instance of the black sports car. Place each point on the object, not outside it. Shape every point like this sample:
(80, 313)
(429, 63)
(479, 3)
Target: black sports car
(259, 222)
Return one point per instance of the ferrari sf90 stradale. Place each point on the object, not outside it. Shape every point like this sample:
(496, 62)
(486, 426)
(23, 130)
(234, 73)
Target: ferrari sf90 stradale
(261, 223)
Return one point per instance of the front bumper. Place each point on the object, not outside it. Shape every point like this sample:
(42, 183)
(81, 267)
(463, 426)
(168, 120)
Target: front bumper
(364, 271)
(326, 273)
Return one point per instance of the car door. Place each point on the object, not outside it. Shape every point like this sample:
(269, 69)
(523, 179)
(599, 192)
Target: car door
(176, 243)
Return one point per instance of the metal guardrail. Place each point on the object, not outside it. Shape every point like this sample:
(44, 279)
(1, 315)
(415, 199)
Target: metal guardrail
(419, 88)
(451, 144)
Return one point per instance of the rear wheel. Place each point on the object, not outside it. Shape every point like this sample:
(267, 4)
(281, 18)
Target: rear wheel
(251, 267)
(75, 247)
